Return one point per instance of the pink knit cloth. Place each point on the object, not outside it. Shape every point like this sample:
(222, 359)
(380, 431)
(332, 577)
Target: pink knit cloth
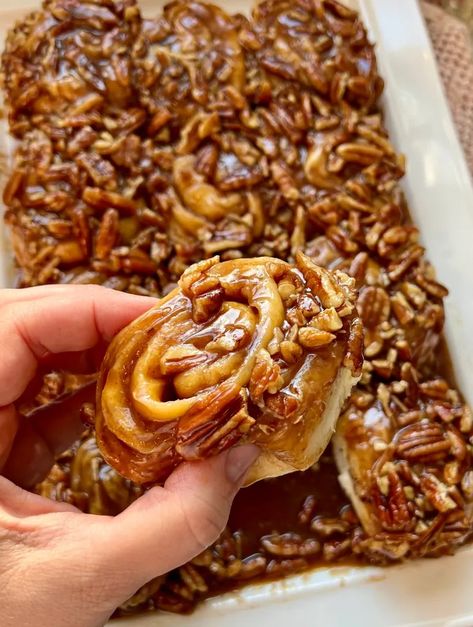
(452, 45)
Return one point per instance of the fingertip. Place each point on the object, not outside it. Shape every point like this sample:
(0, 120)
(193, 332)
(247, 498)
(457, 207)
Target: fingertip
(226, 471)
(238, 462)
(113, 309)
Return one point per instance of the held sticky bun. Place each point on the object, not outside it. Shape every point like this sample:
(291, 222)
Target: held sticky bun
(249, 350)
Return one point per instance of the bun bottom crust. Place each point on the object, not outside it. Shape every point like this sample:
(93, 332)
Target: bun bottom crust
(269, 465)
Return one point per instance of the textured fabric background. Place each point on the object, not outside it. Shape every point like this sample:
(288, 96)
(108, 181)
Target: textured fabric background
(452, 44)
(463, 9)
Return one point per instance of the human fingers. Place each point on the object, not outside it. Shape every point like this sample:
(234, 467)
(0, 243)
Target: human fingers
(170, 525)
(36, 322)
(50, 550)
(18, 503)
(42, 436)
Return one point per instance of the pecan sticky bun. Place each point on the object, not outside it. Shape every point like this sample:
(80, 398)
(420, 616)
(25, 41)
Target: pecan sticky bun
(406, 467)
(249, 350)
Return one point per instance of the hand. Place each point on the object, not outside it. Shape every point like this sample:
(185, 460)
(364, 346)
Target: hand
(59, 566)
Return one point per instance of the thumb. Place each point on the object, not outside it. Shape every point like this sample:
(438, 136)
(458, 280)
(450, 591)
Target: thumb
(170, 525)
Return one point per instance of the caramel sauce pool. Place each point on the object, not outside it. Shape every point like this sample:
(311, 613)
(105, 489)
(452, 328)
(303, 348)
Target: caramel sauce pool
(273, 505)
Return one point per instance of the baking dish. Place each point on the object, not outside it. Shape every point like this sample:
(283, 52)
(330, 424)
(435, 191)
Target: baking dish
(439, 191)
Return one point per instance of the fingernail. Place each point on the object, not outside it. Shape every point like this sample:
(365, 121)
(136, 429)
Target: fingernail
(239, 459)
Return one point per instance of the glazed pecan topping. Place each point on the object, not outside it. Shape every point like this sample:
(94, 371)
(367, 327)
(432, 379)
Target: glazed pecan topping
(408, 463)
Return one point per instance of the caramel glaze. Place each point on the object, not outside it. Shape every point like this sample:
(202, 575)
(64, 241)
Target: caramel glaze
(273, 505)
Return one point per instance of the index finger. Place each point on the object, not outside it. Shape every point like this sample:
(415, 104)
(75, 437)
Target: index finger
(38, 321)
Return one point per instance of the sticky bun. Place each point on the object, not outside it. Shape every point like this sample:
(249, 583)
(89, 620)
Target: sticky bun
(250, 350)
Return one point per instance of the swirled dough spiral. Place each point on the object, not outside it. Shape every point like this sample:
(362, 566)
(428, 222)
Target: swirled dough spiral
(248, 350)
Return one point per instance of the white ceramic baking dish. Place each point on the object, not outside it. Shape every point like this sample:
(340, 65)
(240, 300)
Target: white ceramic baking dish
(430, 593)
